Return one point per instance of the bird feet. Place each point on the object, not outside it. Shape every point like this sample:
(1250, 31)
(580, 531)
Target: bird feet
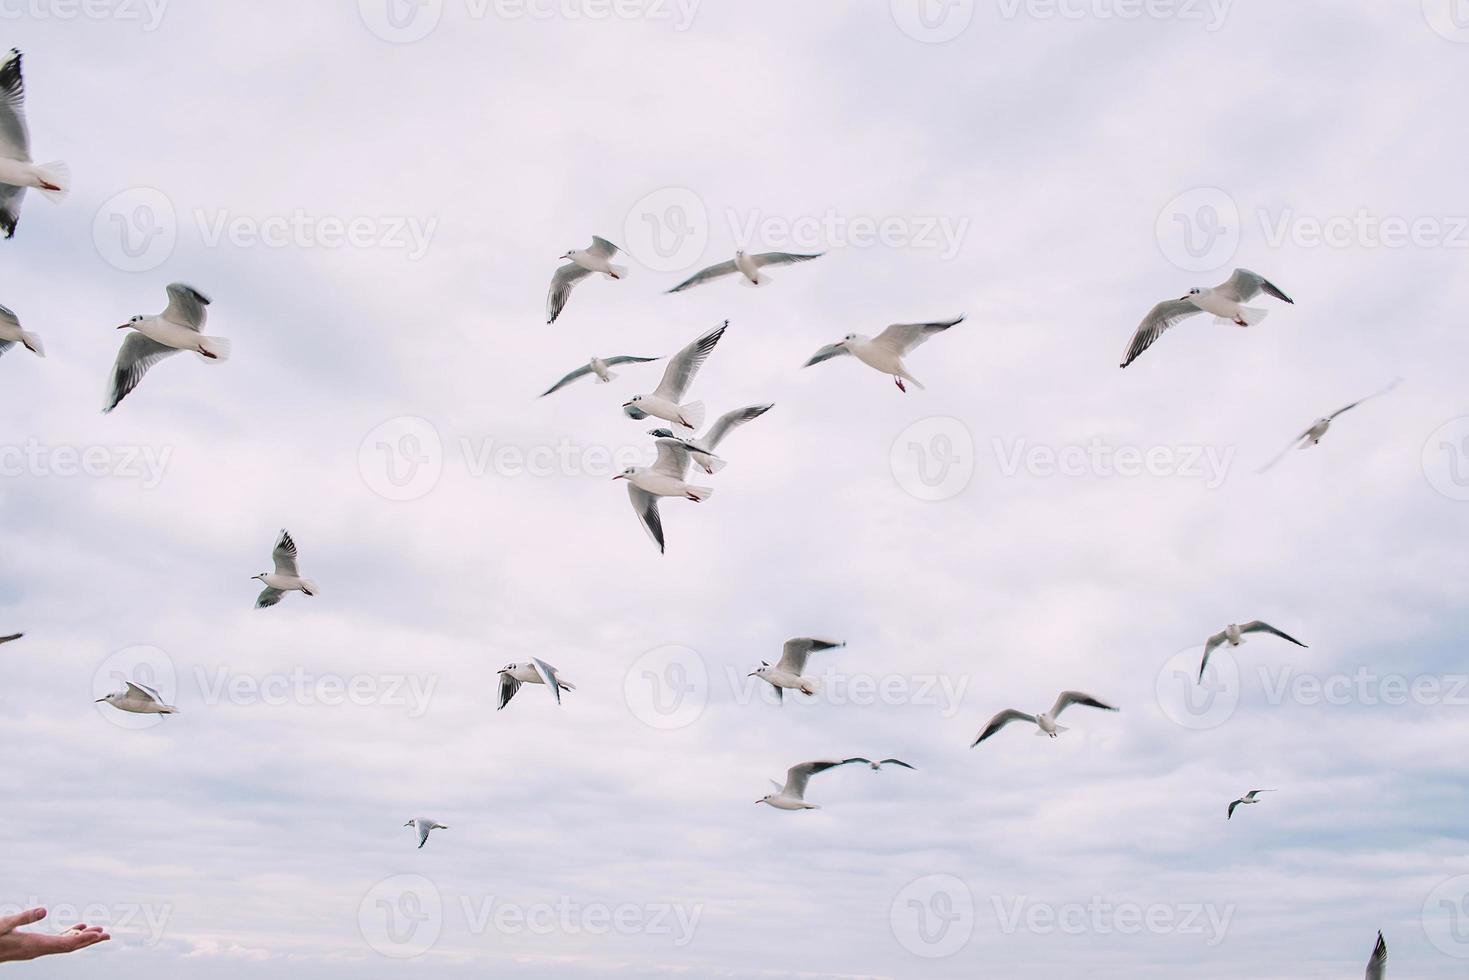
(901, 387)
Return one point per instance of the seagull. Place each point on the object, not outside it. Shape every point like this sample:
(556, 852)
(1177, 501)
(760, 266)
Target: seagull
(877, 766)
(286, 577)
(747, 265)
(1225, 301)
(664, 401)
(12, 636)
(177, 328)
(791, 796)
(12, 334)
(140, 699)
(17, 172)
(1377, 965)
(1253, 796)
(1318, 428)
(535, 671)
(665, 478)
(581, 262)
(597, 366)
(787, 673)
(702, 450)
(885, 351)
(1046, 721)
(1235, 634)
(423, 825)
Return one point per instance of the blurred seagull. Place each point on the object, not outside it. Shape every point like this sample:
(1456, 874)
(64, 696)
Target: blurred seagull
(1253, 796)
(12, 636)
(1377, 965)
(885, 352)
(664, 401)
(1225, 301)
(1235, 635)
(140, 699)
(177, 328)
(597, 366)
(877, 766)
(423, 825)
(701, 450)
(791, 796)
(286, 577)
(581, 262)
(12, 334)
(787, 673)
(534, 671)
(1046, 721)
(17, 172)
(665, 478)
(747, 265)
(1318, 428)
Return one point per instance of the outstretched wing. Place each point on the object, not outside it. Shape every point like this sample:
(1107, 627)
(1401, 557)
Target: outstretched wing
(548, 676)
(143, 691)
(134, 358)
(186, 306)
(12, 636)
(601, 246)
(1244, 285)
(704, 275)
(508, 686)
(15, 138)
(1258, 626)
(629, 359)
(782, 258)
(1381, 391)
(673, 457)
(731, 420)
(1209, 646)
(999, 721)
(799, 775)
(1377, 965)
(268, 597)
(793, 655)
(896, 762)
(686, 363)
(584, 369)
(1067, 698)
(903, 337)
(284, 555)
(827, 353)
(567, 276)
(1159, 319)
(645, 505)
(1230, 814)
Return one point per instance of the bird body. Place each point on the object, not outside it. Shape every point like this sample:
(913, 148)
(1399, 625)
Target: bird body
(665, 400)
(886, 351)
(665, 478)
(1319, 428)
(580, 263)
(11, 334)
(533, 671)
(287, 574)
(701, 450)
(748, 265)
(17, 171)
(786, 675)
(792, 794)
(423, 825)
(179, 327)
(1226, 301)
(1044, 721)
(598, 367)
(139, 699)
(1252, 797)
(1234, 634)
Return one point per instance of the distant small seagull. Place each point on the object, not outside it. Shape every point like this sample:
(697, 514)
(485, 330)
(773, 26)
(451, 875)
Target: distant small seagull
(701, 450)
(1235, 635)
(791, 796)
(747, 265)
(1318, 428)
(12, 636)
(665, 478)
(885, 352)
(533, 671)
(581, 263)
(286, 577)
(677, 376)
(597, 366)
(423, 825)
(1046, 721)
(877, 766)
(177, 328)
(12, 334)
(1377, 965)
(17, 172)
(1225, 301)
(1253, 796)
(140, 699)
(787, 673)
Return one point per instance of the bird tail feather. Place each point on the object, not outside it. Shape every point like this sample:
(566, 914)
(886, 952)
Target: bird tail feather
(309, 587)
(58, 175)
(32, 343)
(1250, 314)
(610, 376)
(693, 415)
(617, 272)
(214, 348)
(701, 494)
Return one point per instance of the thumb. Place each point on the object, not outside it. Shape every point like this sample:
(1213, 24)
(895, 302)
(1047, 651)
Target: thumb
(24, 918)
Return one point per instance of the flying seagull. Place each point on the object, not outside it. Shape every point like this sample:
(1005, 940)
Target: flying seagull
(1318, 428)
(423, 825)
(12, 334)
(787, 673)
(581, 262)
(12, 636)
(140, 699)
(677, 376)
(1235, 635)
(286, 577)
(1253, 796)
(746, 265)
(791, 796)
(17, 172)
(665, 478)
(877, 766)
(1225, 301)
(1377, 965)
(597, 366)
(885, 352)
(534, 671)
(1046, 721)
(701, 450)
(153, 338)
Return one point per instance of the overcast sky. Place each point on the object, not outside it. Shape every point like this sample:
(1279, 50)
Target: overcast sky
(374, 197)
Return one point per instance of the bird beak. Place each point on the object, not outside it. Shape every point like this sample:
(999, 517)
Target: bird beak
(619, 477)
(99, 700)
(124, 326)
(759, 801)
(626, 404)
(750, 674)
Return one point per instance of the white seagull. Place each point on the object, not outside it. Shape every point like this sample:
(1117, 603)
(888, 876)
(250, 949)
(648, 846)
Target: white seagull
(746, 265)
(597, 366)
(1226, 301)
(665, 478)
(423, 825)
(1318, 428)
(877, 766)
(12, 334)
(791, 796)
(17, 172)
(178, 327)
(581, 262)
(701, 450)
(1377, 965)
(140, 699)
(1234, 634)
(1046, 721)
(787, 673)
(12, 636)
(885, 352)
(1253, 796)
(286, 577)
(534, 671)
(664, 401)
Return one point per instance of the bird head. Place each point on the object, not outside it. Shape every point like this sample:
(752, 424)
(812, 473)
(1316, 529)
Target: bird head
(627, 474)
(1196, 291)
(508, 668)
(132, 321)
(760, 671)
(408, 824)
(570, 253)
(635, 400)
(766, 798)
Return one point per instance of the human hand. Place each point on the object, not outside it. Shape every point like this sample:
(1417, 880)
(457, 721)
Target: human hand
(16, 945)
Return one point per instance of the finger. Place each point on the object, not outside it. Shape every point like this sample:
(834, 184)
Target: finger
(25, 918)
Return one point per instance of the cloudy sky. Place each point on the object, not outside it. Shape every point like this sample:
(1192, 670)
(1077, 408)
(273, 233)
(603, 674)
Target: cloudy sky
(375, 194)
